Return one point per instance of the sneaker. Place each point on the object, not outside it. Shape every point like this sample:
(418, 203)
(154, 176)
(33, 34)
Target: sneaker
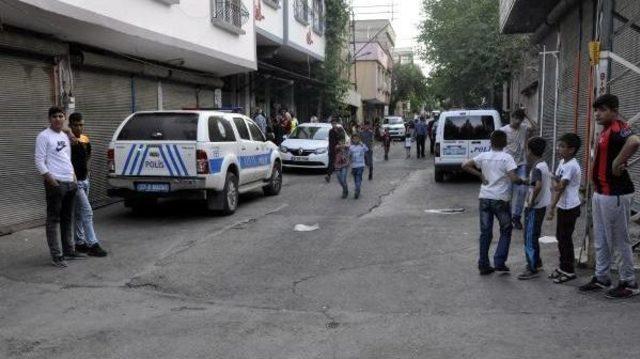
(82, 248)
(527, 274)
(327, 178)
(623, 290)
(486, 271)
(517, 224)
(503, 270)
(594, 284)
(96, 251)
(345, 194)
(356, 195)
(59, 262)
(75, 255)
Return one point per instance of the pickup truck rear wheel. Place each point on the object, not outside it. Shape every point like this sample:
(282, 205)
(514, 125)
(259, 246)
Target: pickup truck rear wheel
(275, 183)
(230, 194)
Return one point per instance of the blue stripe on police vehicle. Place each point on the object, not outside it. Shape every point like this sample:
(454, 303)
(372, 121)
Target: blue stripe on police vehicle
(256, 160)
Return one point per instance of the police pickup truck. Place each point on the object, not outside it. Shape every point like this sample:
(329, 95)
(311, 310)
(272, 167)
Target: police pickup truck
(202, 155)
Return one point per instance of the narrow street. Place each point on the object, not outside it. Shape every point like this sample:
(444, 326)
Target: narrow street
(380, 278)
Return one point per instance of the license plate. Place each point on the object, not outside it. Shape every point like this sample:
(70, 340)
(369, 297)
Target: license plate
(454, 150)
(300, 159)
(152, 187)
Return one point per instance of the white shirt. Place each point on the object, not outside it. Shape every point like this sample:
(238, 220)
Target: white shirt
(53, 155)
(541, 173)
(407, 142)
(571, 172)
(515, 142)
(494, 166)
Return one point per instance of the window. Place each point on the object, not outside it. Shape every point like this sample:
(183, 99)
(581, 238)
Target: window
(310, 133)
(256, 134)
(220, 130)
(161, 127)
(318, 17)
(242, 128)
(273, 3)
(468, 127)
(301, 11)
(230, 15)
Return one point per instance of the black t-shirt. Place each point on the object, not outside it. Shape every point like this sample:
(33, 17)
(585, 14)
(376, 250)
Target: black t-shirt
(80, 153)
(609, 145)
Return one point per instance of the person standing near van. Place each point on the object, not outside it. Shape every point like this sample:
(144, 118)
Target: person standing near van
(496, 169)
(612, 199)
(53, 161)
(421, 136)
(518, 132)
(85, 237)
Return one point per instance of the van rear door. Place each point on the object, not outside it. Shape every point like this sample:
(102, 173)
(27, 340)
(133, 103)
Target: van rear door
(480, 142)
(466, 136)
(158, 145)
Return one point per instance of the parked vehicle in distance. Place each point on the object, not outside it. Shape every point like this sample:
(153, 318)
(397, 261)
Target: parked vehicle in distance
(202, 155)
(461, 135)
(396, 126)
(308, 146)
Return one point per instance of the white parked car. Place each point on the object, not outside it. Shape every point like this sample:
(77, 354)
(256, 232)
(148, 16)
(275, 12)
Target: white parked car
(308, 146)
(462, 135)
(206, 155)
(396, 127)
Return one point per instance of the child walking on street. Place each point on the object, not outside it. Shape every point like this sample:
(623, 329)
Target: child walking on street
(496, 169)
(538, 198)
(341, 166)
(407, 144)
(357, 152)
(567, 199)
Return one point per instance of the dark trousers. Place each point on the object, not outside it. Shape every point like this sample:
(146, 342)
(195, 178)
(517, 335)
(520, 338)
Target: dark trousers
(420, 142)
(533, 219)
(368, 159)
(60, 203)
(566, 224)
(501, 210)
(432, 145)
(331, 160)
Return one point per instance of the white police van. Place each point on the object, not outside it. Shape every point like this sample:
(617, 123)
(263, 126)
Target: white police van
(461, 135)
(195, 154)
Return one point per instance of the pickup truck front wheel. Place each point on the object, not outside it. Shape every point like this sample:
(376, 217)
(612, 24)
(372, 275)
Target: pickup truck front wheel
(231, 194)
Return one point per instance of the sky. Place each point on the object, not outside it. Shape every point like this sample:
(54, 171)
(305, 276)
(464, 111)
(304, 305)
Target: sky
(406, 15)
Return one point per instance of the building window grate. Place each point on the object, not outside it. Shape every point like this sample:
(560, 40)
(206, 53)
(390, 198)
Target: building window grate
(318, 17)
(301, 11)
(231, 12)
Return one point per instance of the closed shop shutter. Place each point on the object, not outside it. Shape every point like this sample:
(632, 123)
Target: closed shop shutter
(205, 98)
(625, 83)
(146, 95)
(26, 93)
(177, 96)
(104, 99)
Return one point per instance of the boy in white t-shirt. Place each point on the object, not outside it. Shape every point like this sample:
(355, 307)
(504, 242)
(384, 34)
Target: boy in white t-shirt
(567, 200)
(496, 169)
(537, 200)
(407, 144)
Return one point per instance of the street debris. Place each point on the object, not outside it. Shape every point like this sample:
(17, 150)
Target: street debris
(548, 239)
(445, 211)
(306, 228)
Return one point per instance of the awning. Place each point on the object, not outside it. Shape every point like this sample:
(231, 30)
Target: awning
(352, 98)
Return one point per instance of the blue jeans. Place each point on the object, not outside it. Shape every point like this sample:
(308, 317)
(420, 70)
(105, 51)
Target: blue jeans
(342, 177)
(357, 177)
(84, 233)
(500, 209)
(518, 193)
(533, 220)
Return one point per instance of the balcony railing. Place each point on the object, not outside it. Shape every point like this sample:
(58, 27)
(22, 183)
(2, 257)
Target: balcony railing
(301, 11)
(231, 14)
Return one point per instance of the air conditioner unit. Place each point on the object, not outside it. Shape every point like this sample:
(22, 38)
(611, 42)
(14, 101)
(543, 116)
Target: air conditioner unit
(169, 2)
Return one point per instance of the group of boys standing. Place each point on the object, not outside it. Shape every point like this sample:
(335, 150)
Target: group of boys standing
(62, 158)
(503, 172)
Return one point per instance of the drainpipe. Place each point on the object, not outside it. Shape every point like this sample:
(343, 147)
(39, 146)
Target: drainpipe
(544, 75)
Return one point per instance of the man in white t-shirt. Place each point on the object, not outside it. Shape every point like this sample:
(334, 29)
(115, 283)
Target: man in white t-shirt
(518, 132)
(496, 169)
(53, 161)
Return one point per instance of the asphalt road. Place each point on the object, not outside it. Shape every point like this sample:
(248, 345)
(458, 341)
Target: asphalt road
(380, 278)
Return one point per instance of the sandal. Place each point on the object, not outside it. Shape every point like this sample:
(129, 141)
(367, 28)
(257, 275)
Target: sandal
(564, 277)
(555, 274)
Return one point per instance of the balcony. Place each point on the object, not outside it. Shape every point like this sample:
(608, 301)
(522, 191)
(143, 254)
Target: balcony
(524, 16)
(230, 15)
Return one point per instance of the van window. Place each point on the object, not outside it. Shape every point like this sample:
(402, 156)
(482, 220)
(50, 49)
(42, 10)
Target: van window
(242, 128)
(220, 130)
(468, 127)
(161, 127)
(256, 133)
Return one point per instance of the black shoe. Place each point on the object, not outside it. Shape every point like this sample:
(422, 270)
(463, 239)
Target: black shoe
(370, 177)
(503, 270)
(516, 223)
(75, 256)
(528, 274)
(486, 271)
(96, 251)
(623, 290)
(82, 248)
(356, 195)
(594, 284)
(327, 178)
(59, 262)
(345, 194)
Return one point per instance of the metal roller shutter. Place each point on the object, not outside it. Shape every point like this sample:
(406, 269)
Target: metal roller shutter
(146, 95)
(26, 93)
(104, 99)
(177, 96)
(625, 84)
